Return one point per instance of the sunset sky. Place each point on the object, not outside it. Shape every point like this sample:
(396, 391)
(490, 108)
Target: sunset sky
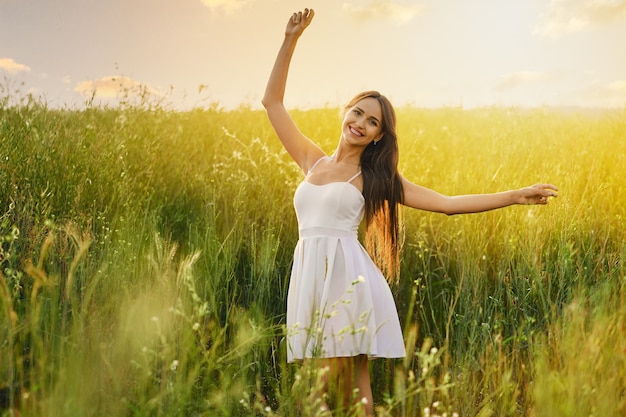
(429, 53)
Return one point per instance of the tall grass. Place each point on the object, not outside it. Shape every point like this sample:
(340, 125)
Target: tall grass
(145, 257)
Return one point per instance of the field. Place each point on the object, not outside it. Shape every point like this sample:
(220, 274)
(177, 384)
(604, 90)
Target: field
(145, 256)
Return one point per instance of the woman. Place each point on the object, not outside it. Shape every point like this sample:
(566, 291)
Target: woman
(340, 310)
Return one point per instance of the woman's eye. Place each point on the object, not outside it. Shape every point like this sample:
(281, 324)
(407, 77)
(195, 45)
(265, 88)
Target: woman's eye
(373, 123)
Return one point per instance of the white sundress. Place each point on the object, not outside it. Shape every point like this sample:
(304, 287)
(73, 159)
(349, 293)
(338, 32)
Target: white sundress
(339, 303)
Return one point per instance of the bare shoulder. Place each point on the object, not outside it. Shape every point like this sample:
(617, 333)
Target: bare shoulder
(313, 156)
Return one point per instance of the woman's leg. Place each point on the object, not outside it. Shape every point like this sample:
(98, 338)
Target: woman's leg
(361, 381)
(364, 384)
(323, 372)
(344, 375)
(353, 384)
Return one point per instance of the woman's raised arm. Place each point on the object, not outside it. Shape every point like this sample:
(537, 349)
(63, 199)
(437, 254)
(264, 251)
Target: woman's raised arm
(301, 149)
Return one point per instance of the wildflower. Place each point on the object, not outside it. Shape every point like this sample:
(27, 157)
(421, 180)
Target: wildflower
(174, 365)
(426, 412)
(363, 316)
(360, 279)
(331, 314)
(268, 409)
(364, 401)
(433, 351)
(196, 326)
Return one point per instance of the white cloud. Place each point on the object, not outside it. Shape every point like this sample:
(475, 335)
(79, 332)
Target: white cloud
(225, 6)
(115, 86)
(599, 94)
(567, 16)
(611, 94)
(516, 79)
(618, 87)
(11, 66)
(383, 9)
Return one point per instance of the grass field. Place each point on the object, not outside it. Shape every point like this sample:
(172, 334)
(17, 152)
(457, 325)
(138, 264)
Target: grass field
(145, 257)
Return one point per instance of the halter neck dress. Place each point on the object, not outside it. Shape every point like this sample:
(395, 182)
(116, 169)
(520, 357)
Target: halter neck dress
(339, 303)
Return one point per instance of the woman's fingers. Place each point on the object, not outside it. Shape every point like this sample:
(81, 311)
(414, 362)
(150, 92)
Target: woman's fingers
(547, 190)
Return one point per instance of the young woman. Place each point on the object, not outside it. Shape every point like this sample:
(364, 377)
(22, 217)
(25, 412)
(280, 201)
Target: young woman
(340, 310)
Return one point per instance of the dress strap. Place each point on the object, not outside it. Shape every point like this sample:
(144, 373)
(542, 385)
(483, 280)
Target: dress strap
(354, 176)
(315, 164)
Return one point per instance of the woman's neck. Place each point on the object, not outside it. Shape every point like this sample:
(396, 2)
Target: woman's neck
(348, 155)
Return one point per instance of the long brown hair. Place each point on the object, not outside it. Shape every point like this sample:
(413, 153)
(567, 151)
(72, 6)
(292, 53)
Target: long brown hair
(382, 190)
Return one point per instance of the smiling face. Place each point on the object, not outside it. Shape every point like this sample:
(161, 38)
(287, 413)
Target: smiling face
(362, 123)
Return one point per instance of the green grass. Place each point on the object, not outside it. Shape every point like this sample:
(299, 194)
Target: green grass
(145, 257)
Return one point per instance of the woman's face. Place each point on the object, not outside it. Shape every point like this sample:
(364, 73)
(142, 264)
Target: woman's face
(362, 122)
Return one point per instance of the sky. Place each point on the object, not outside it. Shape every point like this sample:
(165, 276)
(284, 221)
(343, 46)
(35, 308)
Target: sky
(426, 53)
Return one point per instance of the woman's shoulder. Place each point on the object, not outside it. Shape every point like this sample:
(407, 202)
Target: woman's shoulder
(313, 160)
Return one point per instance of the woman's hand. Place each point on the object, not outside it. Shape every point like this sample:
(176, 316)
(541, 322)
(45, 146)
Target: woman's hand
(537, 194)
(298, 22)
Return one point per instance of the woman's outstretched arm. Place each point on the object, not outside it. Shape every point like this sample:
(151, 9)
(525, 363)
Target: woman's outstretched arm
(426, 199)
(301, 149)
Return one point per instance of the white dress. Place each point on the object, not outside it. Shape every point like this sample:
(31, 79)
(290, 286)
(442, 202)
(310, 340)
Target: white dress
(339, 303)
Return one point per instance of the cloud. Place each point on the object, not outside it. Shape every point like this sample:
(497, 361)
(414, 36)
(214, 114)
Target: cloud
(617, 87)
(225, 6)
(613, 90)
(516, 79)
(597, 94)
(382, 9)
(115, 86)
(567, 16)
(11, 66)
